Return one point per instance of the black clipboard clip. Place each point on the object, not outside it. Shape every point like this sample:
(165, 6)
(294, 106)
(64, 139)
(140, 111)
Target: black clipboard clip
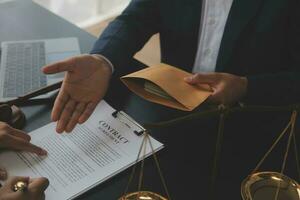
(128, 121)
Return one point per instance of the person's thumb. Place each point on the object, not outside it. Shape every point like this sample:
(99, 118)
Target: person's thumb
(62, 66)
(200, 78)
(39, 184)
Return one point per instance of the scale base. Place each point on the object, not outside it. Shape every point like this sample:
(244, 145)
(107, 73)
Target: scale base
(142, 195)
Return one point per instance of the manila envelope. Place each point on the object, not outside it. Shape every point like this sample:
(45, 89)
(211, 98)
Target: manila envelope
(171, 80)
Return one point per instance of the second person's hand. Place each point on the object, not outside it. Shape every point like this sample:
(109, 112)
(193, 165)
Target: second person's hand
(13, 139)
(85, 83)
(35, 191)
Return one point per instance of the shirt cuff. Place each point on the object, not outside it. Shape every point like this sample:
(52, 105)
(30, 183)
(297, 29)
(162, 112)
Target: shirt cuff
(106, 60)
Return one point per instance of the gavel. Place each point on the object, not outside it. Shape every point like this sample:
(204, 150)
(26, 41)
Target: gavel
(11, 114)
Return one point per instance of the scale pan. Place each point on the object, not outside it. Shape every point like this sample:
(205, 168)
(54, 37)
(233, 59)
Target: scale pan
(264, 186)
(142, 195)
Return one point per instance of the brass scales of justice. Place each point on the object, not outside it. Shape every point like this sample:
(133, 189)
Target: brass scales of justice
(257, 186)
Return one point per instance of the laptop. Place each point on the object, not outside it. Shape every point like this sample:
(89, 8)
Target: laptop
(21, 63)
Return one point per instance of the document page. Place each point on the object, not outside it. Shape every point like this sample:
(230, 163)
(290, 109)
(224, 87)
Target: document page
(78, 161)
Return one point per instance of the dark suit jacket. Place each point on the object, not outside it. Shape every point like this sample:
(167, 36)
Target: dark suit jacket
(261, 41)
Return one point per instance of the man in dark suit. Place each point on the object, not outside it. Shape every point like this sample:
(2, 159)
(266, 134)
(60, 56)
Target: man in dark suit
(258, 59)
(246, 50)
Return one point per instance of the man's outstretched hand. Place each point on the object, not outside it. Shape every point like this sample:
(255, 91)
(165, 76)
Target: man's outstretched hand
(85, 83)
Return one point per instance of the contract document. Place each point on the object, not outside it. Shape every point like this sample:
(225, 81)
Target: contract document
(108, 143)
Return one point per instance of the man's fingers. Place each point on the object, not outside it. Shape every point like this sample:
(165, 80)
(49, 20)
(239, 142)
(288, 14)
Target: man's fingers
(209, 78)
(62, 66)
(15, 132)
(59, 105)
(9, 185)
(20, 134)
(65, 116)
(75, 116)
(13, 180)
(87, 112)
(3, 174)
(38, 184)
(19, 144)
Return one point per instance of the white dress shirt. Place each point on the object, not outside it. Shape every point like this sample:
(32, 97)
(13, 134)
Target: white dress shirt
(213, 21)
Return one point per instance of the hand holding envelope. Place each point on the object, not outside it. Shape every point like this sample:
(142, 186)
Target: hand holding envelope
(164, 84)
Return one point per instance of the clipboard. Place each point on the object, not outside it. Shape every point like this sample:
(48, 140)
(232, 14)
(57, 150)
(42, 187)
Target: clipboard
(128, 121)
(107, 154)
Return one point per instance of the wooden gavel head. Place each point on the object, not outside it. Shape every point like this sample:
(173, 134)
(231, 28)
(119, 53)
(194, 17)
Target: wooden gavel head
(12, 115)
(5, 113)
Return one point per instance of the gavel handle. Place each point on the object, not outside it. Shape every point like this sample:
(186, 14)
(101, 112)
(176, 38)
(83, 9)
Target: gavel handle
(23, 99)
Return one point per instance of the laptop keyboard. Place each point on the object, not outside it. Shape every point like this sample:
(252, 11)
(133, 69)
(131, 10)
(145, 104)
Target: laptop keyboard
(23, 68)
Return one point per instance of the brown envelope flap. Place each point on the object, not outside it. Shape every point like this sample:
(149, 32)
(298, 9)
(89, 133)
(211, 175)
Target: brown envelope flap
(170, 79)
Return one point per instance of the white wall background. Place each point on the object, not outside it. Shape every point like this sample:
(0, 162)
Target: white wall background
(85, 13)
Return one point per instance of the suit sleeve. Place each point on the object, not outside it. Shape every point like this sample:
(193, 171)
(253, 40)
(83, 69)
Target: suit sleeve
(128, 33)
(280, 88)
